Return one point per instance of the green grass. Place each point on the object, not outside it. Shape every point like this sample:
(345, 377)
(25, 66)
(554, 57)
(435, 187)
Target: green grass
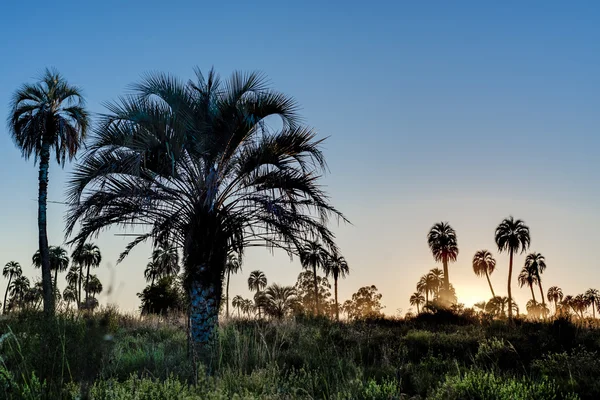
(112, 356)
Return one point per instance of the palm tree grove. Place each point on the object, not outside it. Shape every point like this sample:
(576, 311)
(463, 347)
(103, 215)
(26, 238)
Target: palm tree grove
(369, 202)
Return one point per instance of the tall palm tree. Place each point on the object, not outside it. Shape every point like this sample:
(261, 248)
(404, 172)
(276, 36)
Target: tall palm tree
(593, 296)
(555, 294)
(238, 302)
(314, 256)
(12, 270)
(196, 164)
(87, 255)
(18, 289)
(417, 299)
(257, 281)
(151, 272)
(528, 277)
(511, 236)
(484, 264)
(537, 263)
(443, 245)
(44, 117)
(337, 267)
(234, 265)
(279, 300)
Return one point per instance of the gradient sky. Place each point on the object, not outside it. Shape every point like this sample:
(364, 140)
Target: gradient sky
(457, 111)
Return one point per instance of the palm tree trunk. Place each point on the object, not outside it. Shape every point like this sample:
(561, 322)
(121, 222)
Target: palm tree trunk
(532, 295)
(317, 308)
(80, 282)
(446, 277)
(593, 311)
(489, 283)
(5, 294)
(152, 283)
(87, 284)
(418, 311)
(541, 290)
(337, 309)
(42, 231)
(55, 279)
(510, 266)
(227, 295)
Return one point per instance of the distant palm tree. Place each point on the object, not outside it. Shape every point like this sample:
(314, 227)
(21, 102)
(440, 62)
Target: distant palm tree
(537, 263)
(568, 304)
(436, 280)
(46, 116)
(481, 305)
(555, 294)
(528, 276)
(12, 270)
(167, 261)
(423, 286)
(443, 245)
(484, 264)
(417, 299)
(247, 307)
(499, 304)
(580, 303)
(151, 272)
(511, 236)
(313, 256)
(257, 281)
(233, 265)
(59, 261)
(238, 302)
(279, 300)
(593, 296)
(88, 255)
(93, 286)
(73, 278)
(337, 267)
(533, 308)
(18, 289)
(70, 294)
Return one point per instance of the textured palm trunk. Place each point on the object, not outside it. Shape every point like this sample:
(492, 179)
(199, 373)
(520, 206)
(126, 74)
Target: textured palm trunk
(80, 279)
(541, 290)
(227, 296)
(205, 296)
(87, 284)
(418, 311)
(490, 283)
(42, 232)
(337, 307)
(55, 279)
(5, 294)
(316, 284)
(510, 265)
(532, 294)
(446, 277)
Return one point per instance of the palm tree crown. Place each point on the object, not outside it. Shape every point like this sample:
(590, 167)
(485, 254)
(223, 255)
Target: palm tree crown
(314, 256)
(528, 277)
(417, 299)
(483, 265)
(444, 247)
(12, 270)
(537, 263)
(257, 281)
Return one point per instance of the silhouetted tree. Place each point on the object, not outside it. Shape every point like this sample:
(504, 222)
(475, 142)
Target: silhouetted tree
(234, 265)
(417, 299)
(12, 270)
(314, 256)
(443, 245)
(484, 264)
(537, 264)
(337, 267)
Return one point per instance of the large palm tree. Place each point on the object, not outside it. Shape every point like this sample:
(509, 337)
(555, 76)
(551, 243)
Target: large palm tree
(537, 263)
(197, 165)
(555, 295)
(417, 299)
(443, 245)
(511, 236)
(279, 300)
(593, 296)
(12, 270)
(87, 255)
(337, 267)
(528, 277)
(484, 264)
(257, 281)
(314, 256)
(234, 265)
(45, 117)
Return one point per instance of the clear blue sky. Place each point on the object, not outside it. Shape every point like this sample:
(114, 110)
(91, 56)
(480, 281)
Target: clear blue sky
(457, 111)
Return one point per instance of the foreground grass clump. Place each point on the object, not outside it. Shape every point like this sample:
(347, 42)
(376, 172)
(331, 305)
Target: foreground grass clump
(113, 356)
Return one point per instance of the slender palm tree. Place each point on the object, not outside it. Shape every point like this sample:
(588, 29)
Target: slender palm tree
(257, 281)
(423, 288)
(167, 260)
(44, 117)
(567, 304)
(196, 164)
(555, 295)
(70, 294)
(238, 302)
(436, 279)
(443, 245)
(73, 278)
(59, 261)
(151, 272)
(18, 289)
(313, 256)
(417, 299)
(593, 296)
(580, 303)
(537, 263)
(511, 236)
(279, 300)
(87, 255)
(93, 286)
(12, 270)
(337, 267)
(484, 264)
(528, 277)
(234, 265)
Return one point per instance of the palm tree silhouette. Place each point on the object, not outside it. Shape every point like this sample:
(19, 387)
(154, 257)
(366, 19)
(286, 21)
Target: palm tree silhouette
(12, 270)
(70, 294)
(537, 263)
(423, 287)
(313, 256)
(45, 116)
(528, 276)
(59, 262)
(337, 267)
(593, 296)
(18, 289)
(166, 260)
(234, 265)
(555, 295)
(257, 281)
(238, 302)
(73, 278)
(484, 264)
(499, 304)
(151, 272)
(511, 236)
(203, 171)
(87, 255)
(93, 286)
(417, 299)
(279, 300)
(443, 245)
(436, 280)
